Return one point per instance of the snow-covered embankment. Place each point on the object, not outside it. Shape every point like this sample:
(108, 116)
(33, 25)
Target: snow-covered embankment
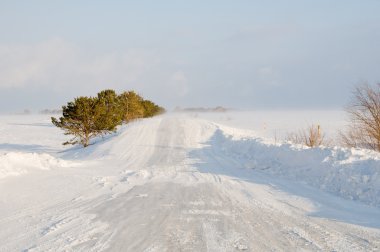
(349, 173)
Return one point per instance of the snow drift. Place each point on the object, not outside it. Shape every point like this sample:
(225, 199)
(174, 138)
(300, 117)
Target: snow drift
(350, 173)
(17, 163)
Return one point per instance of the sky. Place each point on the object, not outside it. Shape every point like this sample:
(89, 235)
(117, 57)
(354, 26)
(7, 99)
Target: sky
(244, 54)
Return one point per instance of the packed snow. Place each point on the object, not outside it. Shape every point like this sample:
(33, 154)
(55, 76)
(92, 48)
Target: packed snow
(185, 182)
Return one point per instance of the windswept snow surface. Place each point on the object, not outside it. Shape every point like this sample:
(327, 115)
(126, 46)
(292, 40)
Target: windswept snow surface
(279, 123)
(349, 173)
(178, 183)
(18, 163)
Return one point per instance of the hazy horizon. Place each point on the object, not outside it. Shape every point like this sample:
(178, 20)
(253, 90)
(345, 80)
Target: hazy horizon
(243, 55)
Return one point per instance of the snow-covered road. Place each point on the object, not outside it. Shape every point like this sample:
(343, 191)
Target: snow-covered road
(167, 184)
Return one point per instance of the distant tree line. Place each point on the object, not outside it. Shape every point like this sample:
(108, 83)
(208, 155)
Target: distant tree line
(89, 117)
(201, 109)
(50, 111)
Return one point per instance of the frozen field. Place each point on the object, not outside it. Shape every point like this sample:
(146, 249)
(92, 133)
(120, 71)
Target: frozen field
(279, 123)
(187, 182)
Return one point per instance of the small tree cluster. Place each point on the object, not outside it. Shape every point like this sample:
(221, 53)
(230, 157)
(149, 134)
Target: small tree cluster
(311, 137)
(88, 117)
(364, 117)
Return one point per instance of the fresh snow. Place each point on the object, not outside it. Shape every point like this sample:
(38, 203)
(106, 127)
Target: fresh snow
(349, 173)
(279, 123)
(18, 163)
(183, 182)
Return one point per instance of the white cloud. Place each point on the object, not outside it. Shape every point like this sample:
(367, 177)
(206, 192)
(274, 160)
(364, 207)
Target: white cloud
(58, 64)
(23, 64)
(266, 71)
(179, 83)
(268, 76)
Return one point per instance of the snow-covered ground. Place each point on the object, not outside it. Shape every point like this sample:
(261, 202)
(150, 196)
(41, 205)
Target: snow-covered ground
(185, 182)
(277, 124)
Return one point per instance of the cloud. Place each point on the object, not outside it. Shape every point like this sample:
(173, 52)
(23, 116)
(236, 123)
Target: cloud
(21, 65)
(58, 64)
(268, 76)
(266, 71)
(265, 33)
(179, 83)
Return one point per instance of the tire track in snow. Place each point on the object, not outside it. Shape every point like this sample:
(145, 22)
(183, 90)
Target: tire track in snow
(206, 209)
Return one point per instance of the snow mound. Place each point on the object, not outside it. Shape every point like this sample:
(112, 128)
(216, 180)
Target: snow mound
(349, 173)
(18, 163)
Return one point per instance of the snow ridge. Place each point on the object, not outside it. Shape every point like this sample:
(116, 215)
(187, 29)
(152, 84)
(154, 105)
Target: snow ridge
(350, 173)
(17, 163)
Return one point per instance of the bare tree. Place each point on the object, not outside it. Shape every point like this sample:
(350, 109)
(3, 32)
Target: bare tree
(364, 117)
(311, 137)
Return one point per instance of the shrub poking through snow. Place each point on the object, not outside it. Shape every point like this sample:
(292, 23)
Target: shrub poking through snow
(311, 137)
(364, 118)
(89, 117)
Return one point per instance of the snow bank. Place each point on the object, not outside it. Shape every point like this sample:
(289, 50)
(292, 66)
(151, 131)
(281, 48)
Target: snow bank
(17, 163)
(350, 173)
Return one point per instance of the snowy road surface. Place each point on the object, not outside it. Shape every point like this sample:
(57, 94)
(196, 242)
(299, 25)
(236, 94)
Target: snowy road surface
(167, 184)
